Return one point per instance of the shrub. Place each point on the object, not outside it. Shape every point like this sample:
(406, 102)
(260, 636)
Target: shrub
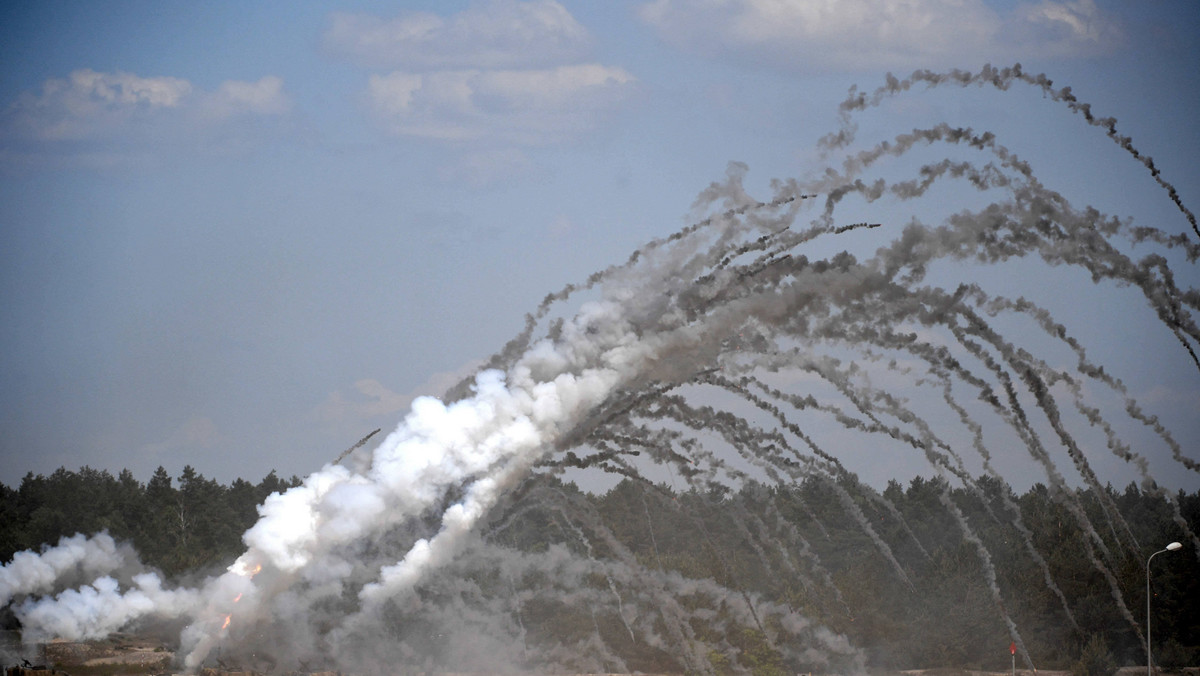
(1095, 660)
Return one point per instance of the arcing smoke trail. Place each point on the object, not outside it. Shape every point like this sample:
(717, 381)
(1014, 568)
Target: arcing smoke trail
(717, 356)
(1002, 79)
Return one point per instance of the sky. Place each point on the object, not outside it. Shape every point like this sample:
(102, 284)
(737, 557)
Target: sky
(240, 236)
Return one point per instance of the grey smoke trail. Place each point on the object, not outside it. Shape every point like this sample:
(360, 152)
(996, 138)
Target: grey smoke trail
(847, 501)
(989, 570)
(936, 358)
(942, 462)
(1002, 79)
(1012, 507)
(720, 356)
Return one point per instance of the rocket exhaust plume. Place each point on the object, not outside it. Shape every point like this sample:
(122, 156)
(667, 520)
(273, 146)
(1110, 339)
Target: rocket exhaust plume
(80, 557)
(711, 360)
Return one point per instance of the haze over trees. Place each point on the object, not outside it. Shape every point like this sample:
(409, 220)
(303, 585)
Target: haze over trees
(930, 605)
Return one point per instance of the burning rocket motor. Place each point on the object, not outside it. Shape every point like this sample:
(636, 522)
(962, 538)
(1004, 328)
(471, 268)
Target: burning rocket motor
(237, 594)
(233, 592)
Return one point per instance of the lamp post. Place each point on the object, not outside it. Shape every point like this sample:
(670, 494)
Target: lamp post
(1169, 548)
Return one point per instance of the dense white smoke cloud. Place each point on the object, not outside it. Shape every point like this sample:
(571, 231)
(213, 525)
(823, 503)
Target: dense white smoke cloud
(98, 609)
(77, 557)
(483, 444)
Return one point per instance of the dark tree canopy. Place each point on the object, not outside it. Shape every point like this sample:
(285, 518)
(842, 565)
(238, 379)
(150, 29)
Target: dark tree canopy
(931, 606)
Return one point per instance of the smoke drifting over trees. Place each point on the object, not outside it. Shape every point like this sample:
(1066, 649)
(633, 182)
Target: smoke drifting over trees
(746, 355)
(537, 580)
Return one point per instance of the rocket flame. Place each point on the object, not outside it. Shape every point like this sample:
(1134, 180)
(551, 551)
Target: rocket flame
(243, 568)
(226, 624)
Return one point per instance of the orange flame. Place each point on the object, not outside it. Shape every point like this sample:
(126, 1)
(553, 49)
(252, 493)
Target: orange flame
(242, 568)
(226, 625)
(237, 598)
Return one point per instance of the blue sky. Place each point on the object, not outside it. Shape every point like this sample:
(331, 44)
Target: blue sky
(242, 235)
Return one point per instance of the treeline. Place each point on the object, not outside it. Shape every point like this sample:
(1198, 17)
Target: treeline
(918, 576)
(907, 574)
(176, 525)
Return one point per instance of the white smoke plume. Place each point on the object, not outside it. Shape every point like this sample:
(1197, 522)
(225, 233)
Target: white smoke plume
(74, 558)
(98, 609)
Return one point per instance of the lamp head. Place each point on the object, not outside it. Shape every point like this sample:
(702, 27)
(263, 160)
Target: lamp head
(1173, 546)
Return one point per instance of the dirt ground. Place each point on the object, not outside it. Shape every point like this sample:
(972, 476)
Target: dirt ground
(125, 655)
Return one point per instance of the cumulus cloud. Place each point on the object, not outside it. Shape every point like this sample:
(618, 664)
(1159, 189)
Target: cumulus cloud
(492, 35)
(506, 71)
(1060, 28)
(864, 34)
(90, 107)
(88, 103)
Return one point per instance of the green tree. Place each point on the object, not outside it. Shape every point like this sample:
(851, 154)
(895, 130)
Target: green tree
(1094, 659)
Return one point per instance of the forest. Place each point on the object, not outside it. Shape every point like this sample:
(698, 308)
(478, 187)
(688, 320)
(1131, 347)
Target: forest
(912, 590)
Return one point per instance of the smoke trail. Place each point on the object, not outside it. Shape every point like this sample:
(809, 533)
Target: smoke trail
(1010, 505)
(721, 357)
(1001, 79)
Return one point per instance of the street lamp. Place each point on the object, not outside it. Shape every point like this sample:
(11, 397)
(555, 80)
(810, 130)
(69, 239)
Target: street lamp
(1169, 548)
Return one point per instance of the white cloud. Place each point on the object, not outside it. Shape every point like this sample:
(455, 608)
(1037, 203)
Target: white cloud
(497, 34)
(265, 97)
(87, 103)
(88, 106)
(125, 89)
(503, 71)
(862, 34)
(1053, 28)
(521, 106)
